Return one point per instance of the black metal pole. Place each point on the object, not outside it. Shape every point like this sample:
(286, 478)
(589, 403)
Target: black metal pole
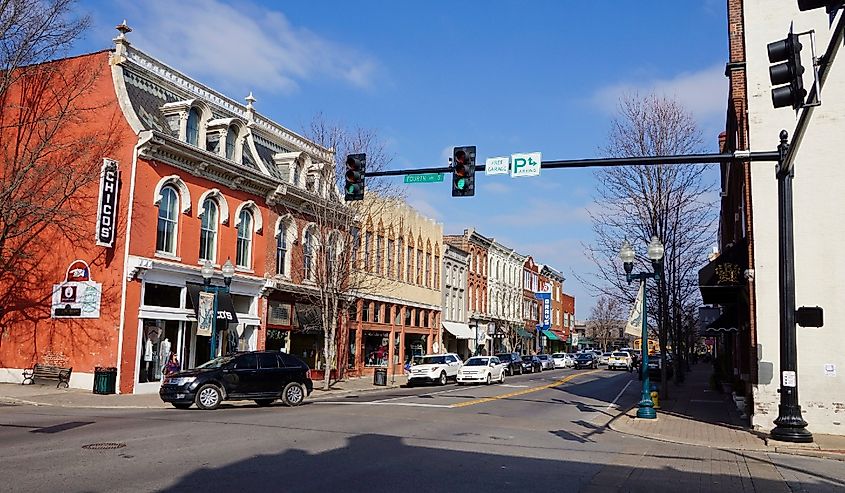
(790, 426)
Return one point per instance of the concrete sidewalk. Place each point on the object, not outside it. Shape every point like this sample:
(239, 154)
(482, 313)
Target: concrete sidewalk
(698, 415)
(49, 395)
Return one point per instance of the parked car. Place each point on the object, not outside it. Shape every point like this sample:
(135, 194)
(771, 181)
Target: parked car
(513, 363)
(262, 376)
(619, 359)
(531, 363)
(563, 360)
(655, 363)
(437, 368)
(604, 357)
(547, 361)
(586, 360)
(482, 369)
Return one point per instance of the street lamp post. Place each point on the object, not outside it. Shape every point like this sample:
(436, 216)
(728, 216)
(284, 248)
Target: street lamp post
(655, 254)
(207, 273)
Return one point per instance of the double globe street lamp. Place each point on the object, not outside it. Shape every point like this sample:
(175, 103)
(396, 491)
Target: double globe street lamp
(207, 273)
(655, 254)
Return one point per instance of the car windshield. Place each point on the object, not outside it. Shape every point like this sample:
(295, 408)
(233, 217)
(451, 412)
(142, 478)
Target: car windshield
(543, 356)
(584, 356)
(477, 362)
(620, 355)
(216, 362)
(606, 354)
(433, 360)
(504, 357)
(558, 355)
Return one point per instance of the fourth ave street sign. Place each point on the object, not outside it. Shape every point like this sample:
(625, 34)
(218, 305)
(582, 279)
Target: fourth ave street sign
(424, 178)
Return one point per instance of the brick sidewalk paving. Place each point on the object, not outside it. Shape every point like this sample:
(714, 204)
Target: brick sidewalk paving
(698, 415)
(49, 395)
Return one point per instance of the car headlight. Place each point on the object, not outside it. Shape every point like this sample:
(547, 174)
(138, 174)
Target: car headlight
(179, 381)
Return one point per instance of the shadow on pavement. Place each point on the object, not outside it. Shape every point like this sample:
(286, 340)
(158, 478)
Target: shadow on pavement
(376, 463)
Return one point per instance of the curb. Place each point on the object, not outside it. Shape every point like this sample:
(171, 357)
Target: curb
(805, 452)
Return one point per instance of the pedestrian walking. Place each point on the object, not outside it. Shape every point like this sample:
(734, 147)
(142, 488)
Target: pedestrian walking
(172, 365)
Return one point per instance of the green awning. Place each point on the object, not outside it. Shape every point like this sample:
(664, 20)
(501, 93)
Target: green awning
(551, 335)
(523, 333)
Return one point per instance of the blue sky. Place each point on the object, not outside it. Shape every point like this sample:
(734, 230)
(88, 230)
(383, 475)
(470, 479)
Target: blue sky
(506, 76)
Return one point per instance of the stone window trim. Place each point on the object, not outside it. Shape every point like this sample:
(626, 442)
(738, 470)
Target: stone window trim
(222, 127)
(222, 205)
(258, 222)
(181, 109)
(181, 191)
(291, 237)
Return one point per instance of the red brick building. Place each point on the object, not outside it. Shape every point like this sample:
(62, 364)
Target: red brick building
(199, 178)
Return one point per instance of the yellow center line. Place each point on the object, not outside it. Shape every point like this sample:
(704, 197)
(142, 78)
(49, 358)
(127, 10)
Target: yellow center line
(523, 391)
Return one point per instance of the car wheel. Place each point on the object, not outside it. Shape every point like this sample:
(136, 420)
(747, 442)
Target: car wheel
(209, 397)
(487, 381)
(293, 394)
(442, 380)
(502, 378)
(181, 405)
(264, 402)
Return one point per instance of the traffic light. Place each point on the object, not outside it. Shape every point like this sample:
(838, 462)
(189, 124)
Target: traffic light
(356, 172)
(463, 171)
(786, 54)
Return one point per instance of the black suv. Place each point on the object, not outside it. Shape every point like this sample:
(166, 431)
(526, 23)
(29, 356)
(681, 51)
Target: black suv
(532, 363)
(513, 362)
(586, 360)
(262, 376)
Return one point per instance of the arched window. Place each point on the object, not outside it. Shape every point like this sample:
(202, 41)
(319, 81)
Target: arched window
(208, 231)
(167, 221)
(308, 254)
(193, 131)
(244, 248)
(231, 136)
(281, 248)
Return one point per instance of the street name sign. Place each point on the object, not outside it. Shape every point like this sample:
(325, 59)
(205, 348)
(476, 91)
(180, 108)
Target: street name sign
(527, 164)
(497, 166)
(424, 178)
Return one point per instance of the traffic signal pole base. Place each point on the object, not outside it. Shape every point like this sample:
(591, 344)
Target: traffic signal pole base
(646, 409)
(790, 426)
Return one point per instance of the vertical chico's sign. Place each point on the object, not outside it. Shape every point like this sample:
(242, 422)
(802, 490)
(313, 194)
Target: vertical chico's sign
(107, 204)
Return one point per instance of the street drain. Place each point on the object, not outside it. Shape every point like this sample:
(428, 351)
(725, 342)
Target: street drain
(104, 446)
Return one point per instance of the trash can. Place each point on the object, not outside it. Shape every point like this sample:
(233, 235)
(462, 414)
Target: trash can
(105, 379)
(380, 376)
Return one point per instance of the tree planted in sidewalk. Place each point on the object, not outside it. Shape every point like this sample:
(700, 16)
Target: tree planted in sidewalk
(606, 320)
(672, 202)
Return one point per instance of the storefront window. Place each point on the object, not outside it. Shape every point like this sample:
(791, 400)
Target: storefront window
(162, 295)
(376, 312)
(407, 317)
(396, 349)
(159, 339)
(366, 312)
(309, 348)
(351, 350)
(418, 318)
(375, 348)
(277, 340)
(415, 346)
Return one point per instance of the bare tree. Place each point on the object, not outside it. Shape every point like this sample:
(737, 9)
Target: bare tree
(53, 137)
(672, 202)
(339, 271)
(605, 319)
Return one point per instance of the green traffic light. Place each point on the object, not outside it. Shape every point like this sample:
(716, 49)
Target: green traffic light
(461, 184)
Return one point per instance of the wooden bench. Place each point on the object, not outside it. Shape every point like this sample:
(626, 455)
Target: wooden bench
(47, 372)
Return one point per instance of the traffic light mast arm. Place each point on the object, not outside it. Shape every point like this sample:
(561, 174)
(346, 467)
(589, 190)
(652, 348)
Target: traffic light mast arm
(836, 40)
(606, 162)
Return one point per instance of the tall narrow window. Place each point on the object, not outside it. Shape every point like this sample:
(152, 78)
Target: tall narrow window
(308, 255)
(208, 231)
(428, 280)
(167, 221)
(282, 249)
(368, 248)
(244, 248)
(390, 266)
(409, 274)
(436, 272)
(231, 135)
(331, 257)
(193, 131)
(379, 254)
(419, 268)
(400, 250)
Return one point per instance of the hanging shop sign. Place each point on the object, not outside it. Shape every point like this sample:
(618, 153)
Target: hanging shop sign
(205, 314)
(78, 296)
(107, 204)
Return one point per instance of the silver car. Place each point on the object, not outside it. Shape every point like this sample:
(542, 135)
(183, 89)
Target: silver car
(547, 361)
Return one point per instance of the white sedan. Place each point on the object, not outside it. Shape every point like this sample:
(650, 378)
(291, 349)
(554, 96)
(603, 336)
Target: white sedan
(563, 360)
(482, 369)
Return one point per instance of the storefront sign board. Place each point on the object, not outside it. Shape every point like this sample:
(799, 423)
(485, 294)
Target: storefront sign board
(78, 296)
(107, 204)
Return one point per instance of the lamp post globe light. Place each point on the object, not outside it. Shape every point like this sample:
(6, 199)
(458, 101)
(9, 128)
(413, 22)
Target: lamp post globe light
(655, 254)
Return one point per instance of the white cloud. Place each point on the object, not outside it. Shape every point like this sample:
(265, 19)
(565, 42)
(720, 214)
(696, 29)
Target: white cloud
(242, 46)
(704, 92)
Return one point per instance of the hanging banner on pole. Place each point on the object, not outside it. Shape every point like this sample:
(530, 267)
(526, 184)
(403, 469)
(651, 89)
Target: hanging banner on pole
(634, 326)
(205, 314)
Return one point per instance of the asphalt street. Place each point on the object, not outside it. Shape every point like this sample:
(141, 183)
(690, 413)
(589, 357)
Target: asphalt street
(535, 432)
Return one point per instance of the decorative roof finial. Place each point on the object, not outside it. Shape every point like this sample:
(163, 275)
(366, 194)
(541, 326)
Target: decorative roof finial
(124, 29)
(249, 100)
